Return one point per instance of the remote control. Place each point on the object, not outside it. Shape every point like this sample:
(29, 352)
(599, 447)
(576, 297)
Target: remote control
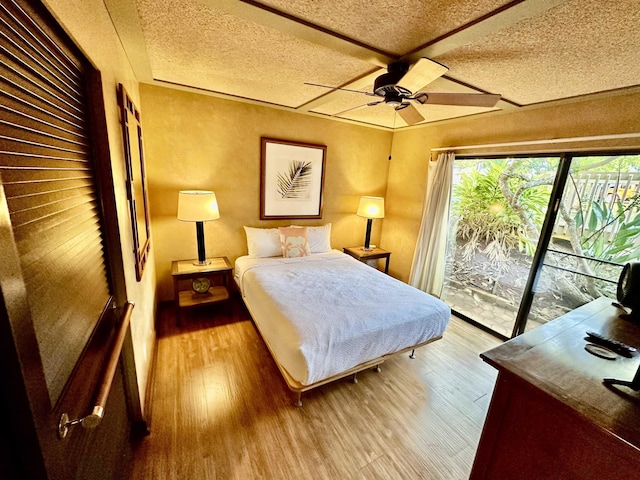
(613, 345)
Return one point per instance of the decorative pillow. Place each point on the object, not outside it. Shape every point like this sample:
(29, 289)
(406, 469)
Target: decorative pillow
(263, 242)
(319, 238)
(293, 241)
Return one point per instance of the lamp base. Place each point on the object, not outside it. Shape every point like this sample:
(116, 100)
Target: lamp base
(368, 249)
(198, 263)
(367, 236)
(202, 253)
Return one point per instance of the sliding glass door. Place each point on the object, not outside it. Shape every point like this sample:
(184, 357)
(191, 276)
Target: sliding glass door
(513, 262)
(596, 231)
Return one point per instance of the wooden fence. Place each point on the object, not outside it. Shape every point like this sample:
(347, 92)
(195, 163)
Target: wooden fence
(603, 188)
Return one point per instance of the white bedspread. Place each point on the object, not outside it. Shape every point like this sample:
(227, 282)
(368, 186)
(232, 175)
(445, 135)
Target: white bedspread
(326, 313)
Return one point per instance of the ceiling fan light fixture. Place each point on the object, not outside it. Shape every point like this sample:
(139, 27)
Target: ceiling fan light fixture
(394, 99)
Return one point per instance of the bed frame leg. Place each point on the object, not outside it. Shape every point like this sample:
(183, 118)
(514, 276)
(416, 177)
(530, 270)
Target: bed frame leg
(413, 353)
(298, 402)
(377, 369)
(354, 379)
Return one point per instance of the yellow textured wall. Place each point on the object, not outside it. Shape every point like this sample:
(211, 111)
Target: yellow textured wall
(196, 141)
(102, 47)
(411, 150)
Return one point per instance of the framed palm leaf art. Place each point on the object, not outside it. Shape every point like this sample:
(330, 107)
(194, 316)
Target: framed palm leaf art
(292, 177)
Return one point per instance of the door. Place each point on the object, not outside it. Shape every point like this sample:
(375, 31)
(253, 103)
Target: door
(498, 206)
(61, 296)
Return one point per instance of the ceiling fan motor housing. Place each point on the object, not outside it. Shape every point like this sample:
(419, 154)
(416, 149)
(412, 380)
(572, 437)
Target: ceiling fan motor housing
(386, 83)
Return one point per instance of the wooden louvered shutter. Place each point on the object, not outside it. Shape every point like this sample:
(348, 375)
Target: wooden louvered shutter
(47, 173)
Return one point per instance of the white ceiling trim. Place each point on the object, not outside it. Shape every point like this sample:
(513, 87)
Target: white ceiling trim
(126, 22)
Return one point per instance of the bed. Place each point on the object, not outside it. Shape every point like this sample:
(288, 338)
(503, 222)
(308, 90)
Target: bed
(326, 315)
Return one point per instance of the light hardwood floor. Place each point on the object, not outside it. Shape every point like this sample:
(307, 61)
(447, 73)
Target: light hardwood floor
(220, 409)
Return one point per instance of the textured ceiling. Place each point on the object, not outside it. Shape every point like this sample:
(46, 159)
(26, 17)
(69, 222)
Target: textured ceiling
(530, 52)
(577, 48)
(192, 44)
(395, 27)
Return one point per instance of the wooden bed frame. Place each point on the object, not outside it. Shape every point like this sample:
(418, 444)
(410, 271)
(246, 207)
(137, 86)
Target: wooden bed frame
(299, 388)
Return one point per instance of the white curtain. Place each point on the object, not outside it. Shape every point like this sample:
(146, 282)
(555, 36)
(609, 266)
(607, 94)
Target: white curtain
(427, 270)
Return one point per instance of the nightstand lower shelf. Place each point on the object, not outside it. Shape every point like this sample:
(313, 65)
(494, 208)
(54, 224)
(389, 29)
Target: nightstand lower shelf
(188, 298)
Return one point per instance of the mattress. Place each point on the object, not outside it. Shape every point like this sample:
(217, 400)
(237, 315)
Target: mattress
(326, 313)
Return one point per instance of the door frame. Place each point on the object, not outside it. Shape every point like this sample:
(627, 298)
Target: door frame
(113, 247)
(562, 174)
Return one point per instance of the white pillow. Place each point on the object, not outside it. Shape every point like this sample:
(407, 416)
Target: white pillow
(263, 242)
(319, 238)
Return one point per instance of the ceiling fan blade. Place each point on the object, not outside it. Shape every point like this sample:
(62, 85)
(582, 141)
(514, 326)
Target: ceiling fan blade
(421, 73)
(355, 108)
(463, 99)
(410, 114)
(338, 88)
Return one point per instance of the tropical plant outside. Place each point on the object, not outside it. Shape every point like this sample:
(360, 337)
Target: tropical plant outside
(621, 243)
(493, 221)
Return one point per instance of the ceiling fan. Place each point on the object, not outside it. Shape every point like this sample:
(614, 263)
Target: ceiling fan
(396, 88)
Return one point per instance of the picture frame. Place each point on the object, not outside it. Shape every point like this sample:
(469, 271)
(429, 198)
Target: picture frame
(291, 179)
(136, 180)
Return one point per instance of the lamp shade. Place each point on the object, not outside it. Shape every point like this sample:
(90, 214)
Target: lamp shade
(197, 206)
(371, 207)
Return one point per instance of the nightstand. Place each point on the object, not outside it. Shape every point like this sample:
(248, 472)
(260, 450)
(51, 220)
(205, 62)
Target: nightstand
(217, 273)
(363, 255)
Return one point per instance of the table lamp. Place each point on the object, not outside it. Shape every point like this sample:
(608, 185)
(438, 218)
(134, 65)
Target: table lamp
(198, 206)
(370, 208)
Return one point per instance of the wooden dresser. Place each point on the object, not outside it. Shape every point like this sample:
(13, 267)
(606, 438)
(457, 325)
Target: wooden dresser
(551, 417)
